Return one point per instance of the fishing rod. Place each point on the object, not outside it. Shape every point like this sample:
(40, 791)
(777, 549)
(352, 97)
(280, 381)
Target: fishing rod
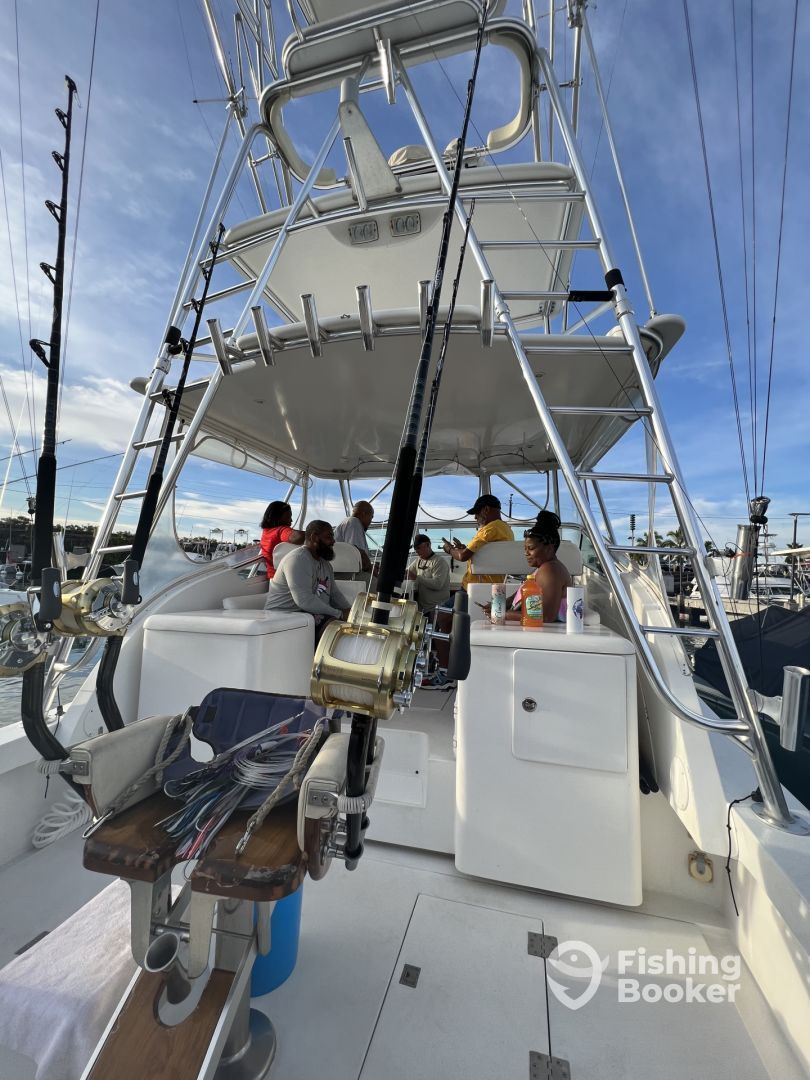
(130, 589)
(44, 576)
(402, 515)
(458, 661)
(419, 469)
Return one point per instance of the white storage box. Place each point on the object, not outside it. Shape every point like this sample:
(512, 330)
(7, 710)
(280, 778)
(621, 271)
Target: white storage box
(188, 653)
(547, 789)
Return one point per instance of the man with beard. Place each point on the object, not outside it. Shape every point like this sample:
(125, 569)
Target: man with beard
(304, 580)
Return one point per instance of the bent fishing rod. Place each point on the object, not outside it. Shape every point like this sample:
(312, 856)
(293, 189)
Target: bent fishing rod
(130, 590)
(402, 515)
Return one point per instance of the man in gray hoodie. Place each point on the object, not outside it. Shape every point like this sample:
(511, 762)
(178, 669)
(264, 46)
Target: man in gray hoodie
(304, 580)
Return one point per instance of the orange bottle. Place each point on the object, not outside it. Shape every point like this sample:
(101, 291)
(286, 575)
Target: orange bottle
(531, 598)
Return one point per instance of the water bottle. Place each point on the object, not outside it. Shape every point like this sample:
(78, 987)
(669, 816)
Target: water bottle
(497, 611)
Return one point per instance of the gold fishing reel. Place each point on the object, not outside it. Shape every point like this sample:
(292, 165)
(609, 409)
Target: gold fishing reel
(21, 644)
(94, 608)
(364, 666)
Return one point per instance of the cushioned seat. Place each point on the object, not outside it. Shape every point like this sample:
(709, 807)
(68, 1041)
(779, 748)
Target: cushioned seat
(188, 653)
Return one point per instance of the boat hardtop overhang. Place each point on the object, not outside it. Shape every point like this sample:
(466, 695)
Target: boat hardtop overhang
(340, 414)
(391, 245)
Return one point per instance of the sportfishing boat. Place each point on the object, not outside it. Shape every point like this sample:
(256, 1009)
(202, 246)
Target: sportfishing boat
(564, 864)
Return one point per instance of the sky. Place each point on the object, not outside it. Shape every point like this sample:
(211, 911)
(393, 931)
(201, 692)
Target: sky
(144, 159)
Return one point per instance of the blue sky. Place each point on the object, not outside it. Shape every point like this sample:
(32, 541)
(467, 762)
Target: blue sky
(149, 149)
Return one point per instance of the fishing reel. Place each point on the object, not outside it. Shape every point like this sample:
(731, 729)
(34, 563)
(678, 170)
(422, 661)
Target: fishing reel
(21, 644)
(93, 608)
(365, 666)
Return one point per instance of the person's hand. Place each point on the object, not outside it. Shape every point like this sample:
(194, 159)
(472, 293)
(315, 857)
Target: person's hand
(487, 609)
(446, 548)
(411, 575)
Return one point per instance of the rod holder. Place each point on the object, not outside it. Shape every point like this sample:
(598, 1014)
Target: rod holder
(263, 336)
(794, 716)
(487, 313)
(163, 958)
(366, 316)
(386, 61)
(311, 323)
(219, 346)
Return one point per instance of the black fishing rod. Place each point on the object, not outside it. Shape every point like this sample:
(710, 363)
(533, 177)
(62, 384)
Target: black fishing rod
(419, 469)
(402, 515)
(403, 505)
(43, 575)
(130, 590)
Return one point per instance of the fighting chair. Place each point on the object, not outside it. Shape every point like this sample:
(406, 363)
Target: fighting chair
(188, 1012)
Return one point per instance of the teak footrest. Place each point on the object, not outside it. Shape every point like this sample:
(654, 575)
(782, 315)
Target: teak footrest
(134, 847)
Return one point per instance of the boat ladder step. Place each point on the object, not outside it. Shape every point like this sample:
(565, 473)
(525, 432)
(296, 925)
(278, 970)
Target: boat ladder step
(130, 495)
(145, 444)
(557, 245)
(118, 549)
(601, 410)
(634, 478)
(534, 294)
(653, 550)
(681, 631)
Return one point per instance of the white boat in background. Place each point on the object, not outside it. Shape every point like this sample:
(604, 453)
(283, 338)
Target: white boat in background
(565, 866)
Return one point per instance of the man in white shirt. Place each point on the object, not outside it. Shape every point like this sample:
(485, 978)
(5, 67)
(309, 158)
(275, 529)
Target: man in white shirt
(353, 530)
(431, 573)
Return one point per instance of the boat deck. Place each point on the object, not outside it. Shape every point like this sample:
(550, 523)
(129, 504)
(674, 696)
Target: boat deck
(481, 1007)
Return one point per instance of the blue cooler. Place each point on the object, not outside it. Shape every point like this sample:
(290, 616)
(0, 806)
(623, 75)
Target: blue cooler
(285, 926)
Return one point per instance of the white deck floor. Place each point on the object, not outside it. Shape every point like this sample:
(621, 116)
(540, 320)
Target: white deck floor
(479, 1008)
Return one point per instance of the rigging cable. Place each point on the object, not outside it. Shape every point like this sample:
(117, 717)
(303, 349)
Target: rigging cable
(78, 205)
(779, 245)
(623, 389)
(753, 247)
(15, 444)
(717, 253)
(744, 233)
(32, 415)
(607, 93)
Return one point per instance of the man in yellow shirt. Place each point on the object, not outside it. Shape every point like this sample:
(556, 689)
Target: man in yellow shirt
(487, 513)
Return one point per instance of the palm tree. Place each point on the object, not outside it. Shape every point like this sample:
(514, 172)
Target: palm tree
(676, 537)
(644, 541)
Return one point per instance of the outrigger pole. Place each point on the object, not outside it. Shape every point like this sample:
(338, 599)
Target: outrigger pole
(130, 593)
(44, 576)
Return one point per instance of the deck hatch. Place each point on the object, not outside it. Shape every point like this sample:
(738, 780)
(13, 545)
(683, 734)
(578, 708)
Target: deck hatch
(545, 1067)
(410, 975)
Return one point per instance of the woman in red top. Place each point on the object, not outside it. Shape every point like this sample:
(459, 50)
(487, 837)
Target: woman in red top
(276, 529)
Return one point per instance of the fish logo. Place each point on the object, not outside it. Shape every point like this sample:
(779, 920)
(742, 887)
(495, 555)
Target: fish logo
(584, 963)
(579, 609)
